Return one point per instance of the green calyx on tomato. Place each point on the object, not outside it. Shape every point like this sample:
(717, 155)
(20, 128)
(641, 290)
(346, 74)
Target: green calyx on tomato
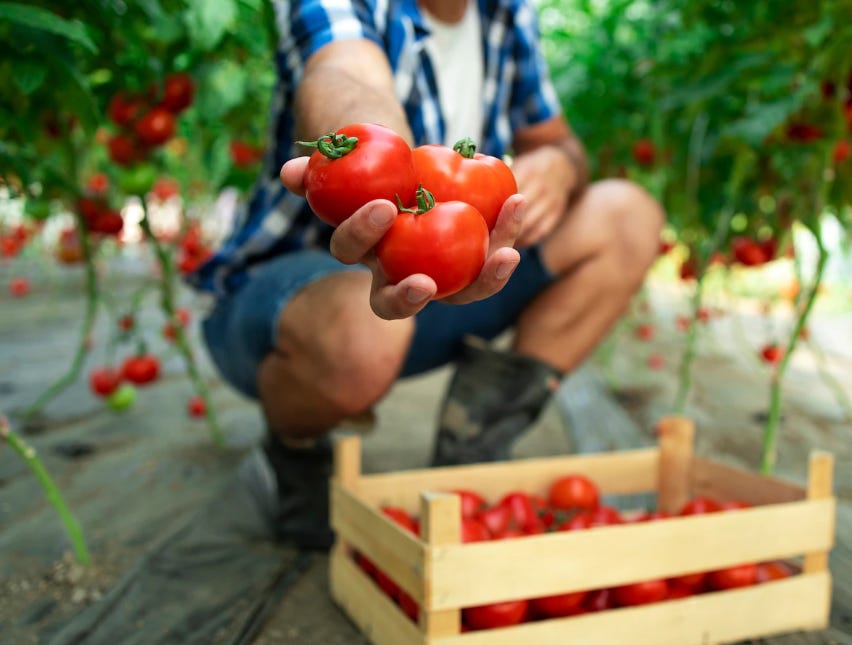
(465, 147)
(332, 145)
(425, 202)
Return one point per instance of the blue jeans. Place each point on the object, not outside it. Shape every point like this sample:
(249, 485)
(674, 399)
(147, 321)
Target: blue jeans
(242, 327)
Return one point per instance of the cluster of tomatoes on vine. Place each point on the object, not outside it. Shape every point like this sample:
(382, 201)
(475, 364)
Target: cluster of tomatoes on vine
(117, 385)
(572, 504)
(448, 199)
(145, 121)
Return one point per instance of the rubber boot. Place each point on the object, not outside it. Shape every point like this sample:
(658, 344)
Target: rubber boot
(492, 399)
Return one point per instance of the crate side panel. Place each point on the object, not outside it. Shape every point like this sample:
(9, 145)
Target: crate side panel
(794, 604)
(484, 572)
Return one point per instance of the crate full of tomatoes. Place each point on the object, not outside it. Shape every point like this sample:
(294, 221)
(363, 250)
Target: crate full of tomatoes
(528, 552)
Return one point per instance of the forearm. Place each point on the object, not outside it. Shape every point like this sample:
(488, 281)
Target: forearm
(332, 94)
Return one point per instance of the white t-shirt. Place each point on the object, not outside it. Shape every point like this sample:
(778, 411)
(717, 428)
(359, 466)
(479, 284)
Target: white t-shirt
(456, 52)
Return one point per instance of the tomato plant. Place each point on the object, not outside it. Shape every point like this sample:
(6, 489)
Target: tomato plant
(448, 241)
(355, 165)
(462, 174)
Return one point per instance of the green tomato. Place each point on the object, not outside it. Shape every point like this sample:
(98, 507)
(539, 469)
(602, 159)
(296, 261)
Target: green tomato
(138, 179)
(37, 209)
(122, 399)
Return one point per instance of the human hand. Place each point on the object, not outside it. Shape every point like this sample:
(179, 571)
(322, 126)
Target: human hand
(354, 241)
(545, 177)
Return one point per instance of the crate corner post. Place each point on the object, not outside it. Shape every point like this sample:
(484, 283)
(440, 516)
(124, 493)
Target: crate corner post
(440, 526)
(676, 438)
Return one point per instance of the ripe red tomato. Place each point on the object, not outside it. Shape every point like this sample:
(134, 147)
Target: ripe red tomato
(122, 149)
(700, 505)
(19, 287)
(772, 570)
(574, 491)
(355, 165)
(196, 407)
(522, 512)
(650, 516)
(641, 593)
(126, 322)
(644, 152)
(743, 575)
(495, 518)
(771, 353)
(462, 174)
(599, 600)
(141, 369)
(678, 590)
(472, 530)
(244, 155)
(401, 517)
(559, 605)
(748, 252)
(689, 269)
(165, 188)
(448, 241)
(104, 380)
(499, 614)
(124, 108)
(471, 501)
(98, 184)
(695, 582)
(178, 92)
(156, 127)
(645, 331)
(107, 222)
(69, 249)
(600, 516)
(182, 318)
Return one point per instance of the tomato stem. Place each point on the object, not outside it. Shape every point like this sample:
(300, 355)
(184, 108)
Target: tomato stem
(51, 491)
(167, 303)
(465, 147)
(425, 202)
(332, 145)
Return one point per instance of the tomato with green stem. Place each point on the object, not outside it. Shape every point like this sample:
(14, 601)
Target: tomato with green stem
(355, 165)
(447, 241)
(462, 174)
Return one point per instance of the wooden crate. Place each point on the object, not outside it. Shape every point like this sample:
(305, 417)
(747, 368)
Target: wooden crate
(443, 575)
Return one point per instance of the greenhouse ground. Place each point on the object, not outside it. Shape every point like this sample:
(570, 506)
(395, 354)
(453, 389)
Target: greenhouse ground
(135, 478)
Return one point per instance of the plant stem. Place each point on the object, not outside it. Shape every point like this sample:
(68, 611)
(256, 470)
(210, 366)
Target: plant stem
(92, 301)
(769, 453)
(167, 303)
(685, 369)
(29, 455)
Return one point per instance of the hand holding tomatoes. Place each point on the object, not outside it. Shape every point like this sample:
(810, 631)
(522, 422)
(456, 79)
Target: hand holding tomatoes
(355, 239)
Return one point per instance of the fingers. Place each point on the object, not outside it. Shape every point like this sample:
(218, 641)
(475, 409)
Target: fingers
(355, 238)
(293, 173)
(509, 223)
(496, 271)
(401, 300)
(502, 258)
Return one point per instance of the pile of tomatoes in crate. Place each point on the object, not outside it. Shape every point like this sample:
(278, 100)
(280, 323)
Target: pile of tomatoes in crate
(573, 503)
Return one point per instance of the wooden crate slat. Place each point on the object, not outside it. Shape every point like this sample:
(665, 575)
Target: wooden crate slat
(484, 572)
(726, 482)
(623, 473)
(400, 553)
(376, 615)
(800, 602)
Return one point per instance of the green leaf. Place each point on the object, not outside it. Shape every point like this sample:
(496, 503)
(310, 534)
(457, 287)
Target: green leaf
(28, 75)
(208, 20)
(760, 121)
(222, 88)
(44, 20)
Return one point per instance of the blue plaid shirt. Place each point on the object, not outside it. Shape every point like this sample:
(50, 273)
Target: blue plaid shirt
(517, 92)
